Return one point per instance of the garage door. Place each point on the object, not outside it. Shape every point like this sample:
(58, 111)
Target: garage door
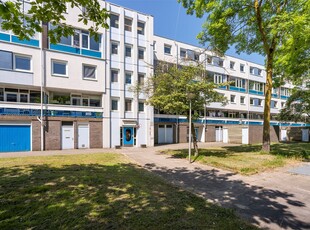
(14, 138)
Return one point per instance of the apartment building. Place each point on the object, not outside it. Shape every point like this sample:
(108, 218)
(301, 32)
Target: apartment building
(241, 120)
(79, 93)
(76, 94)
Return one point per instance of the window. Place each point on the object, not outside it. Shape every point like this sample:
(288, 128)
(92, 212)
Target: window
(114, 48)
(76, 99)
(239, 83)
(89, 72)
(128, 105)
(141, 26)
(232, 98)
(128, 78)
(11, 97)
(95, 45)
(114, 75)
(232, 65)
(1, 94)
(273, 104)
(141, 106)
(219, 78)
(127, 51)
(76, 38)
(6, 60)
(114, 20)
(242, 100)
(218, 61)
(256, 102)
(66, 40)
(59, 68)
(255, 71)
(22, 62)
(35, 97)
(140, 78)
(182, 53)
(167, 49)
(241, 67)
(257, 86)
(128, 24)
(209, 59)
(94, 102)
(141, 53)
(114, 105)
(85, 39)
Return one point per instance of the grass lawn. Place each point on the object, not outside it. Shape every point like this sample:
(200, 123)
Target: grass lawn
(99, 191)
(248, 159)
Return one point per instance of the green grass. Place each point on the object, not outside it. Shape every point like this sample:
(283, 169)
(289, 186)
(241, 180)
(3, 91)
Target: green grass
(99, 191)
(248, 159)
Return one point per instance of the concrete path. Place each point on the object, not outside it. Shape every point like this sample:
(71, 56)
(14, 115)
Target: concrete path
(272, 200)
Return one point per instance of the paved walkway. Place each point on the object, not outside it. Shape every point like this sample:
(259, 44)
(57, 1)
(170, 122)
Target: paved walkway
(273, 200)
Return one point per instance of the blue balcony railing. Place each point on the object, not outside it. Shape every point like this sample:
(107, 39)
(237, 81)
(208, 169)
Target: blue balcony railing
(284, 97)
(251, 91)
(274, 95)
(12, 38)
(223, 87)
(49, 113)
(233, 88)
(75, 50)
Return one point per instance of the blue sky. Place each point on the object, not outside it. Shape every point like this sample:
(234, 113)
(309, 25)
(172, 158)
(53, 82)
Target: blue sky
(171, 21)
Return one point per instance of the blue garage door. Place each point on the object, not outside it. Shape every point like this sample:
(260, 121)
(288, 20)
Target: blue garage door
(14, 138)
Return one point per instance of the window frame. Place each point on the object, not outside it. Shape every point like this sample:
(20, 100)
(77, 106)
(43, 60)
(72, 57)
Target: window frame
(23, 56)
(143, 51)
(83, 72)
(139, 28)
(117, 102)
(59, 62)
(126, 104)
(117, 47)
(116, 20)
(126, 47)
(112, 75)
(166, 46)
(128, 27)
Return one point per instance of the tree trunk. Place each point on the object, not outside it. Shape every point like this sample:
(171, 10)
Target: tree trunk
(268, 89)
(195, 140)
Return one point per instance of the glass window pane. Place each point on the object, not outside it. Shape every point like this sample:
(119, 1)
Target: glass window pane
(22, 63)
(85, 41)
(10, 97)
(76, 39)
(95, 45)
(141, 106)
(76, 101)
(59, 68)
(128, 78)
(6, 60)
(94, 102)
(141, 28)
(23, 98)
(85, 102)
(35, 97)
(65, 40)
(114, 105)
(89, 72)
(114, 20)
(1, 95)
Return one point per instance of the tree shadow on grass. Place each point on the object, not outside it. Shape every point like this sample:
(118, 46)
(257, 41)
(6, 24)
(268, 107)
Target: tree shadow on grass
(257, 204)
(95, 196)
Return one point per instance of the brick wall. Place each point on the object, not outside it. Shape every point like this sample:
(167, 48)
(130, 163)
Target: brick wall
(52, 135)
(96, 134)
(210, 134)
(256, 134)
(36, 135)
(234, 133)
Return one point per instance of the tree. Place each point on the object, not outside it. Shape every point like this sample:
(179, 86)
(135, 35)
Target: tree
(297, 107)
(25, 24)
(172, 87)
(262, 26)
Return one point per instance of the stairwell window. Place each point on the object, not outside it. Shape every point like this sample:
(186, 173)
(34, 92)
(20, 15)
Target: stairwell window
(127, 51)
(114, 76)
(128, 105)
(167, 49)
(128, 24)
(140, 28)
(114, 20)
(141, 53)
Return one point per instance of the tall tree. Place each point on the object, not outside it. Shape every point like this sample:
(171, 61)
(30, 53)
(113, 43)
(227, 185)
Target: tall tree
(297, 107)
(266, 27)
(172, 88)
(24, 19)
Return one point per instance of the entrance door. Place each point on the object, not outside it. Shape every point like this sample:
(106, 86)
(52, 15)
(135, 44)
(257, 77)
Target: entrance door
(218, 134)
(67, 137)
(305, 135)
(225, 135)
(283, 135)
(245, 136)
(169, 134)
(128, 136)
(83, 136)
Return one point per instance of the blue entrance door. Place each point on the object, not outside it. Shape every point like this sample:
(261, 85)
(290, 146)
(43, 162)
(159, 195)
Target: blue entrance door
(128, 135)
(14, 138)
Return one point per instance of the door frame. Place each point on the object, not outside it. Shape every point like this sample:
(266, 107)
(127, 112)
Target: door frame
(71, 126)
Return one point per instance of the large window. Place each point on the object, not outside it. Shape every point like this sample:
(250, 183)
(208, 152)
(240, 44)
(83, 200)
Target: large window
(219, 78)
(89, 71)
(140, 28)
(59, 68)
(82, 39)
(22, 62)
(114, 20)
(128, 24)
(6, 60)
(257, 86)
(255, 71)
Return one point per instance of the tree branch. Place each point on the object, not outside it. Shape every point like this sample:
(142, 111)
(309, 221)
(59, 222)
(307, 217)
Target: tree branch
(257, 6)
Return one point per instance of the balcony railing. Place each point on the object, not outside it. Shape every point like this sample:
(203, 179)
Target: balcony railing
(251, 91)
(233, 88)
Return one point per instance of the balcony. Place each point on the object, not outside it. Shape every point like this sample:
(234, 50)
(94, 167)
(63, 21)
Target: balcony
(16, 77)
(75, 50)
(233, 88)
(251, 91)
(274, 95)
(14, 39)
(284, 97)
